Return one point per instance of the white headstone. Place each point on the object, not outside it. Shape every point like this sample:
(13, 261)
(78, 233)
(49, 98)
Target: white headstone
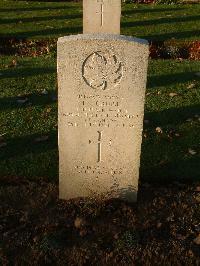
(102, 81)
(101, 16)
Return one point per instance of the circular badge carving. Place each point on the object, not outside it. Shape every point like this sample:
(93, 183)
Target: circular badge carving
(102, 70)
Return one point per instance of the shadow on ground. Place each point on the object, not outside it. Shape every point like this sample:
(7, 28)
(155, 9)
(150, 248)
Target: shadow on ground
(55, 31)
(169, 79)
(153, 10)
(170, 35)
(24, 71)
(36, 19)
(31, 156)
(21, 9)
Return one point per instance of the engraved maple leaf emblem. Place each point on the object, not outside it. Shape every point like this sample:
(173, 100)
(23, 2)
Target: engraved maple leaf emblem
(102, 69)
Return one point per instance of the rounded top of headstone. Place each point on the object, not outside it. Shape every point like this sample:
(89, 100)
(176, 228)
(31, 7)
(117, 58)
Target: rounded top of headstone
(103, 37)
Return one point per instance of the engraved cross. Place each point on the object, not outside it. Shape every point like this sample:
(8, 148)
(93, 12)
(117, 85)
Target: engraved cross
(101, 11)
(99, 145)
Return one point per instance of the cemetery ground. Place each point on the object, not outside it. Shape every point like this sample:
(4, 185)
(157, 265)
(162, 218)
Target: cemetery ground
(37, 228)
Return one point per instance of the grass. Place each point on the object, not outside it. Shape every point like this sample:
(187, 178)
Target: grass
(37, 20)
(162, 22)
(164, 156)
(24, 123)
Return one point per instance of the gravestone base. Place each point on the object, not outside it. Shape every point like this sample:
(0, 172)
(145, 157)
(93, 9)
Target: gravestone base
(101, 81)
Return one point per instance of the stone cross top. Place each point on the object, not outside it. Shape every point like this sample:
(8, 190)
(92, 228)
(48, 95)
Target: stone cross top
(101, 16)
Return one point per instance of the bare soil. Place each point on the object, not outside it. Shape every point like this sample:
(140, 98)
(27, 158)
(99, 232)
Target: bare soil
(36, 228)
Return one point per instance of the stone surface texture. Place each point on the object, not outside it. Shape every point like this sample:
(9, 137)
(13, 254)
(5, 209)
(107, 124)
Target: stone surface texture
(101, 16)
(101, 80)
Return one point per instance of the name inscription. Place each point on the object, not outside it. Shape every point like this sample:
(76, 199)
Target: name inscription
(100, 111)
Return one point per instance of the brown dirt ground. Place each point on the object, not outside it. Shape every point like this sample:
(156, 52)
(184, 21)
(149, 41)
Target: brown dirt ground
(171, 49)
(36, 228)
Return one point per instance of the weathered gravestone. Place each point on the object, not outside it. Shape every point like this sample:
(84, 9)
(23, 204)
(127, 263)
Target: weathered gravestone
(101, 16)
(102, 81)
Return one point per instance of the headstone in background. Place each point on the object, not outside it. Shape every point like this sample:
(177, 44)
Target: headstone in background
(102, 81)
(101, 16)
